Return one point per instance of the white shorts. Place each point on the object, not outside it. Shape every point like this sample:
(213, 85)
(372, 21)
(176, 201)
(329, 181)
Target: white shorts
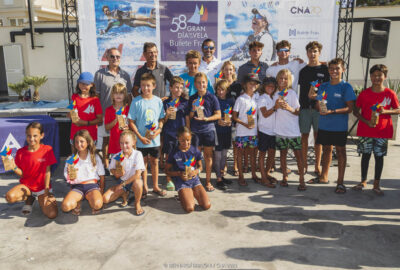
(102, 132)
(40, 192)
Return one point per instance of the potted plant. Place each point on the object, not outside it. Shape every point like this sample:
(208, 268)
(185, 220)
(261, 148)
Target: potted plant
(36, 82)
(18, 88)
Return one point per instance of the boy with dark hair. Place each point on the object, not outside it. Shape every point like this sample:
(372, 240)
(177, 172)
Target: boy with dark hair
(309, 116)
(335, 102)
(146, 115)
(254, 65)
(375, 127)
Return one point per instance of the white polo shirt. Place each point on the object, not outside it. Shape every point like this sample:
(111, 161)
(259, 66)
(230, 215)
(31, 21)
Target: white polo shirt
(286, 123)
(266, 125)
(86, 170)
(131, 164)
(242, 105)
(294, 67)
(211, 69)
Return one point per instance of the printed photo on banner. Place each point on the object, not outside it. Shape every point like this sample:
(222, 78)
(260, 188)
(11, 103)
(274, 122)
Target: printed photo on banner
(245, 22)
(120, 23)
(184, 25)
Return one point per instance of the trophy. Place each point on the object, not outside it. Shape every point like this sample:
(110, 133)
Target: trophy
(150, 130)
(322, 102)
(174, 104)
(118, 164)
(198, 104)
(189, 166)
(228, 114)
(73, 112)
(314, 87)
(283, 94)
(8, 160)
(250, 116)
(121, 117)
(72, 171)
(375, 114)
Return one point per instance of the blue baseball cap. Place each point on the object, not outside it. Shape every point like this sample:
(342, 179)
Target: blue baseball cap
(86, 78)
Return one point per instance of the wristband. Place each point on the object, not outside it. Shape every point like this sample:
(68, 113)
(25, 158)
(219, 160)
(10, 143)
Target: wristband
(88, 123)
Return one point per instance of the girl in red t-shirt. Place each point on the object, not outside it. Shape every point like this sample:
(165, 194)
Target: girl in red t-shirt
(88, 107)
(119, 109)
(32, 164)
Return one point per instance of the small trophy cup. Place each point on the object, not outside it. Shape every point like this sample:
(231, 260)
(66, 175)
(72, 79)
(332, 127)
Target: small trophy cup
(228, 114)
(250, 116)
(73, 112)
(173, 104)
(150, 130)
(322, 102)
(189, 166)
(118, 164)
(375, 114)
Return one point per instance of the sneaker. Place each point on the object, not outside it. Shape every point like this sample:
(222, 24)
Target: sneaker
(226, 181)
(221, 185)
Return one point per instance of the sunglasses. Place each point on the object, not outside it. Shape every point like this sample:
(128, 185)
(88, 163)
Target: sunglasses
(115, 56)
(258, 16)
(208, 48)
(283, 50)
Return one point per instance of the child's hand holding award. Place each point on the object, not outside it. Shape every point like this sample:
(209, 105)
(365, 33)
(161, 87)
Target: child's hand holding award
(73, 112)
(8, 160)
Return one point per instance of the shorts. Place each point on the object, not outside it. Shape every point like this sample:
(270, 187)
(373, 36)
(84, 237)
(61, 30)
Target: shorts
(307, 118)
(368, 145)
(265, 142)
(127, 187)
(38, 193)
(224, 141)
(152, 151)
(325, 137)
(102, 132)
(179, 183)
(203, 139)
(84, 189)
(288, 143)
(246, 141)
(169, 143)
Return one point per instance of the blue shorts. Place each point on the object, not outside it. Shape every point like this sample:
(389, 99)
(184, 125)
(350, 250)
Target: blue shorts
(203, 139)
(246, 141)
(179, 183)
(127, 187)
(84, 189)
(169, 143)
(265, 142)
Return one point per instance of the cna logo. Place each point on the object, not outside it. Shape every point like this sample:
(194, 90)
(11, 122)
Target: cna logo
(199, 15)
(89, 109)
(312, 10)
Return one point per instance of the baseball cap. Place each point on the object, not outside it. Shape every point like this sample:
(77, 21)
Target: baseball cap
(251, 77)
(86, 78)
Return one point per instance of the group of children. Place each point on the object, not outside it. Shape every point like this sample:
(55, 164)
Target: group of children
(262, 115)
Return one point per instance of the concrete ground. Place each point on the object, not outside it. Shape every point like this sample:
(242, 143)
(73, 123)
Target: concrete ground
(246, 228)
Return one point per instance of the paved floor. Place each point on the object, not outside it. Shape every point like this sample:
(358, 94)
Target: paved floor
(246, 228)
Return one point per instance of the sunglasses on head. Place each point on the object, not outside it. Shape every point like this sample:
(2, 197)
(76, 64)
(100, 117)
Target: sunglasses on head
(283, 50)
(258, 16)
(115, 56)
(208, 48)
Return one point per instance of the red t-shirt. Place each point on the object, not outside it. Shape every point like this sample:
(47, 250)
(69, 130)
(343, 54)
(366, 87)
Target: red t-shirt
(115, 132)
(368, 98)
(88, 109)
(33, 166)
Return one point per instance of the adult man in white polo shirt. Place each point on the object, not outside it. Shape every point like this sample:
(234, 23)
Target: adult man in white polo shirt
(210, 65)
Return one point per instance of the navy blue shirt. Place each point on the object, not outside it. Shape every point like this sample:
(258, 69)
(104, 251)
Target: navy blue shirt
(171, 126)
(224, 104)
(210, 106)
(178, 158)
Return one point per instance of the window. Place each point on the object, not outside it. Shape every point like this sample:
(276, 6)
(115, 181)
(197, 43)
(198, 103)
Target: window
(16, 22)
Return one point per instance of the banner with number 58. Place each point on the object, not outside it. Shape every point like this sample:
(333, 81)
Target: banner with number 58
(184, 25)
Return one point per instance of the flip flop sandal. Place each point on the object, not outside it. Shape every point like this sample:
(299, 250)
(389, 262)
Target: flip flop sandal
(273, 180)
(268, 183)
(316, 180)
(210, 188)
(76, 211)
(242, 183)
(161, 192)
(358, 187)
(301, 187)
(26, 209)
(378, 191)
(284, 184)
(141, 214)
(257, 180)
(340, 189)
(170, 186)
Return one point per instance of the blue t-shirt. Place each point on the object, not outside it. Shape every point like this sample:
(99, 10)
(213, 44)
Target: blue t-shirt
(145, 112)
(178, 159)
(188, 82)
(171, 126)
(224, 104)
(337, 96)
(210, 106)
